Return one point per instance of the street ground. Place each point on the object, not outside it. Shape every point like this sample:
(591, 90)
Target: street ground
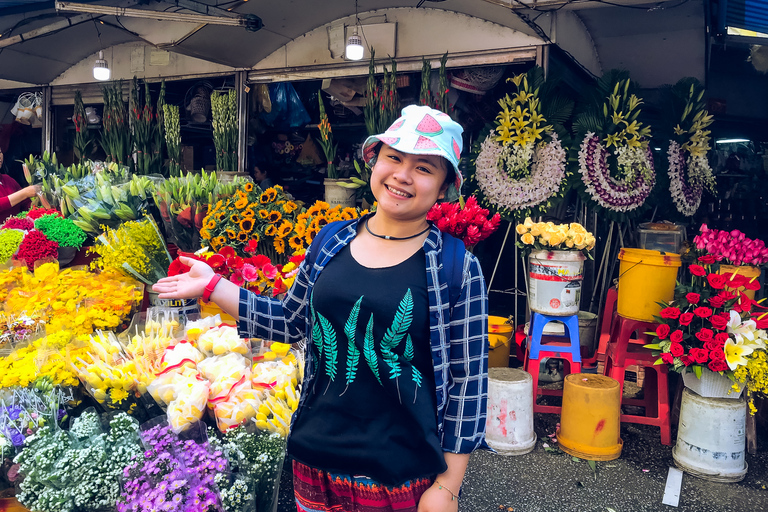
(547, 481)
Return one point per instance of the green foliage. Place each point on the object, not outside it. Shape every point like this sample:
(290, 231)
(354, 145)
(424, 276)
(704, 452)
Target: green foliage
(369, 352)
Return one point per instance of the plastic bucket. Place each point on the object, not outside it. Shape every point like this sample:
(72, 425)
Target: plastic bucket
(711, 438)
(336, 195)
(587, 330)
(554, 282)
(499, 336)
(185, 307)
(742, 270)
(645, 278)
(711, 385)
(509, 419)
(590, 417)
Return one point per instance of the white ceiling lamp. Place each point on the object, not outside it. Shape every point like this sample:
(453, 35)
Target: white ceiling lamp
(101, 69)
(354, 50)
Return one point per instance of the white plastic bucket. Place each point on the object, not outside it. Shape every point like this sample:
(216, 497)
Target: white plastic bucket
(711, 438)
(185, 307)
(711, 385)
(509, 421)
(554, 282)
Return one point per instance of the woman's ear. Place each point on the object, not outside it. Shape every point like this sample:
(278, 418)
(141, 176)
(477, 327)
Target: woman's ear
(443, 190)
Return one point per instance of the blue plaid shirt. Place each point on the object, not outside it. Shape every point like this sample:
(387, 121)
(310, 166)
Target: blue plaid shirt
(458, 337)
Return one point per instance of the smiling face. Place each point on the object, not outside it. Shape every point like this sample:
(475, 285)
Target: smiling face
(406, 186)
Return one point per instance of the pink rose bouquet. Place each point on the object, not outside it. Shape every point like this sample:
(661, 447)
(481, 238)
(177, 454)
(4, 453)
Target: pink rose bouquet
(731, 247)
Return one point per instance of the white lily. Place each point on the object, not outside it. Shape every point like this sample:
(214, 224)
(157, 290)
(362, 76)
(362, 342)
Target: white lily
(735, 352)
(741, 330)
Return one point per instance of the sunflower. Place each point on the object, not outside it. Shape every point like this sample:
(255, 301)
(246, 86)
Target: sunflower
(249, 213)
(268, 195)
(218, 241)
(311, 234)
(274, 217)
(205, 234)
(264, 214)
(271, 230)
(300, 229)
(221, 215)
(255, 236)
(231, 234)
(290, 207)
(235, 218)
(248, 187)
(296, 242)
(241, 203)
(279, 244)
(209, 223)
(317, 208)
(349, 213)
(285, 229)
(246, 225)
(242, 237)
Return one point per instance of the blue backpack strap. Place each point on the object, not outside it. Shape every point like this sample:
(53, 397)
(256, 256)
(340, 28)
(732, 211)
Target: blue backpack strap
(453, 265)
(326, 233)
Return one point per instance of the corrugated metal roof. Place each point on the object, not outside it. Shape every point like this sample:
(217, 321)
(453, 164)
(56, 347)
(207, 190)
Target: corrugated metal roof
(747, 14)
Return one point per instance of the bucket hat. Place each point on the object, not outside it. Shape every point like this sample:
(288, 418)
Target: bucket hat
(421, 130)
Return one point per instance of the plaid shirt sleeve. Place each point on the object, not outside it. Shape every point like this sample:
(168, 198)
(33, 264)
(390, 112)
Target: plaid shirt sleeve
(465, 411)
(272, 319)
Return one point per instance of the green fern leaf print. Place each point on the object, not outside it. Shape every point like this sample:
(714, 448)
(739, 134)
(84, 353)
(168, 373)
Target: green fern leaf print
(329, 345)
(369, 352)
(353, 354)
(400, 324)
(317, 335)
(417, 377)
(408, 354)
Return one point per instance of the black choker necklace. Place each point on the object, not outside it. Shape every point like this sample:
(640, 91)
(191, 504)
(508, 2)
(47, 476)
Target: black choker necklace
(385, 237)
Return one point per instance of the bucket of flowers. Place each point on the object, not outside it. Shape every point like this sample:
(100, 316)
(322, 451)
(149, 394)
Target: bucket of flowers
(556, 254)
(714, 334)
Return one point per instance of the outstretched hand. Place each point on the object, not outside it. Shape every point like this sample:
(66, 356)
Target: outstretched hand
(185, 286)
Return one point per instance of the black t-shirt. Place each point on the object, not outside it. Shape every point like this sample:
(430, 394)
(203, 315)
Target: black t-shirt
(372, 408)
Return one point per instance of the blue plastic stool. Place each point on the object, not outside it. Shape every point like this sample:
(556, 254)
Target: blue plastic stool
(559, 347)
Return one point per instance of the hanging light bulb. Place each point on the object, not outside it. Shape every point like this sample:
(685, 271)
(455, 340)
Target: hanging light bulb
(100, 68)
(355, 48)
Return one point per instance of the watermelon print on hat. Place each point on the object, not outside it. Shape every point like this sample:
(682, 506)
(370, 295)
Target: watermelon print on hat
(426, 131)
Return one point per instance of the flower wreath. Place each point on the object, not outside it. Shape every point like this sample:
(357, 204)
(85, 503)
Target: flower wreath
(515, 173)
(688, 154)
(613, 122)
(619, 195)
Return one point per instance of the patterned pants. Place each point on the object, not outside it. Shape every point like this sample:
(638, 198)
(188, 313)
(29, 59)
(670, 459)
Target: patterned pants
(320, 491)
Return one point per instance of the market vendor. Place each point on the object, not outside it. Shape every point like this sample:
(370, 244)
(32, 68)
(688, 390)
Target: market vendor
(13, 198)
(395, 389)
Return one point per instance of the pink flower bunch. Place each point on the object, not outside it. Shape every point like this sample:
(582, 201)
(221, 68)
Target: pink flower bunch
(470, 223)
(732, 246)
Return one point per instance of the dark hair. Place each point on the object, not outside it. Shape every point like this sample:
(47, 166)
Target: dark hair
(450, 171)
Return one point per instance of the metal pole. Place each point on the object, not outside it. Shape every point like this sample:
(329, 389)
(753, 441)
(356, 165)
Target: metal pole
(498, 259)
(47, 131)
(242, 119)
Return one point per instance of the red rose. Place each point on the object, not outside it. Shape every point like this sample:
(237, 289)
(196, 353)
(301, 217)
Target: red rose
(716, 281)
(716, 301)
(699, 355)
(676, 349)
(686, 360)
(718, 366)
(720, 339)
(707, 259)
(702, 312)
(697, 270)
(667, 358)
(718, 322)
(686, 318)
(711, 345)
(704, 334)
(662, 331)
(717, 355)
(670, 313)
(693, 298)
(676, 337)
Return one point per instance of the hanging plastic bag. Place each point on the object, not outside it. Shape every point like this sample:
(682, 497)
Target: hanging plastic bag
(287, 109)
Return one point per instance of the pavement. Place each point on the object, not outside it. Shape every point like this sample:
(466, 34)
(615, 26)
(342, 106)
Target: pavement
(547, 481)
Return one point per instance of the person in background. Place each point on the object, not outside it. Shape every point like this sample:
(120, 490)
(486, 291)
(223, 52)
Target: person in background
(260, 174)
(13, 198)
(396, 380)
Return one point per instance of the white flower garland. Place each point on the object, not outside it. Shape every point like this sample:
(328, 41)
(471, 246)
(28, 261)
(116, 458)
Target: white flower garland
(617, 195)
(687, 194)
(547, 171)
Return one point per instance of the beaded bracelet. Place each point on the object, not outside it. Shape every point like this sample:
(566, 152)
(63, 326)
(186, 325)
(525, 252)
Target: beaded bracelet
(441, 486)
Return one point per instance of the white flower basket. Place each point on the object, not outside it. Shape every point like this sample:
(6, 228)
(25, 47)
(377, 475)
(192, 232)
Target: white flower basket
(711, 385)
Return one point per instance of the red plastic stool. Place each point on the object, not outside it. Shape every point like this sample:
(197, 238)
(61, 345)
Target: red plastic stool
(558, 347)
(626, 351)
(606, 327)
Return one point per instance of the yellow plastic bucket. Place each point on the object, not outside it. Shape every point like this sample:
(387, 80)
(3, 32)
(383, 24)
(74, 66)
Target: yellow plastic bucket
(742, 270)
(499, 335)
(590, 419)
(645, 278)
(211, 309)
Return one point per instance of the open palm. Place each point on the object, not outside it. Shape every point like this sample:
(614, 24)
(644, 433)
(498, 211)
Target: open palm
(190, 285)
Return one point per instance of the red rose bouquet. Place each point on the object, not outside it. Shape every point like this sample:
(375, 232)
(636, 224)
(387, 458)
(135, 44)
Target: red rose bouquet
(713, 325)
(466, 221)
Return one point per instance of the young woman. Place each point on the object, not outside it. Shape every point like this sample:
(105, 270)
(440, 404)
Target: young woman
(13, 198)
(394, 396)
